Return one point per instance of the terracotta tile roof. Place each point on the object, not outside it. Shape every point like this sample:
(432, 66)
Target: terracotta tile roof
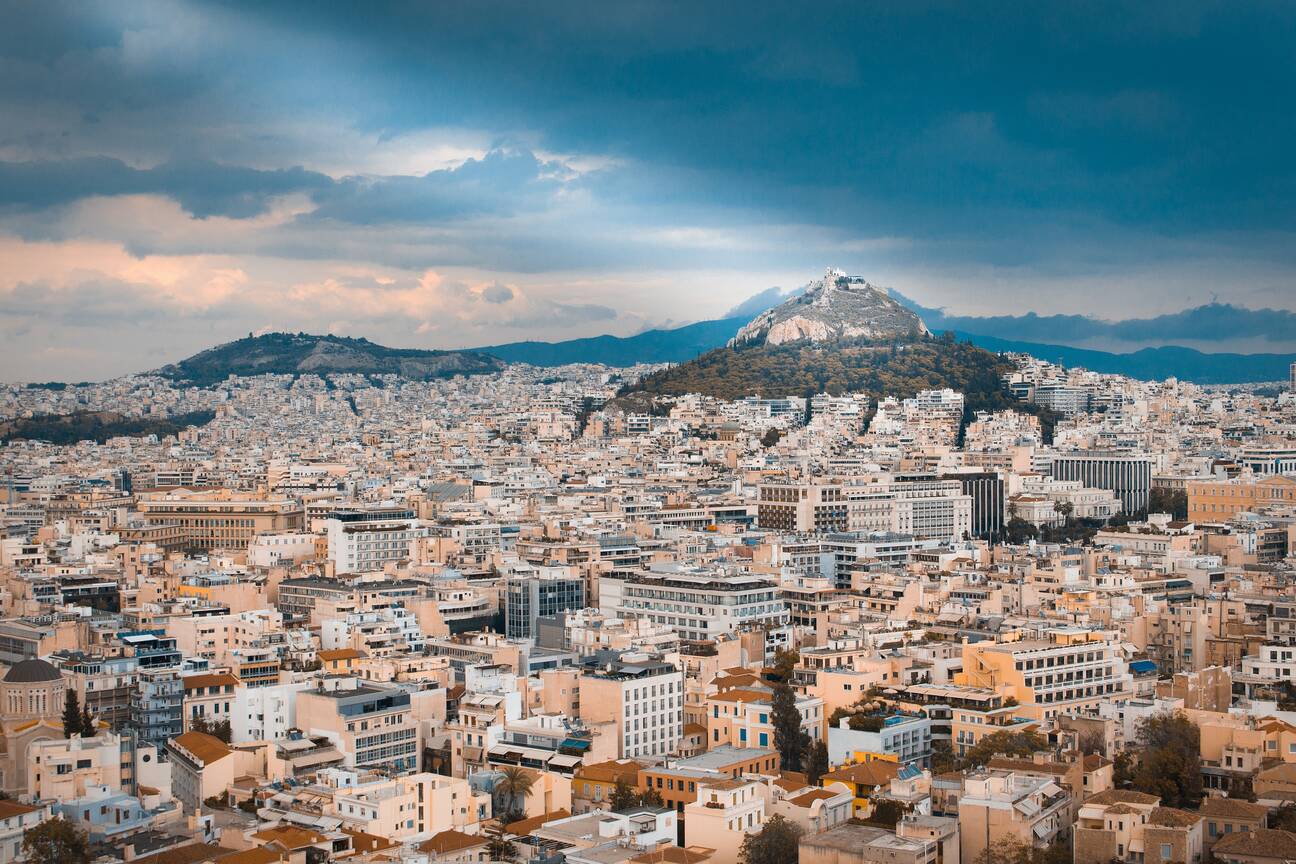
(191, 853)
(526, 826)
(1094, 761)
(328, 655)
(363, 841)
(739, 695)
(205, 748)
(1286, 772)
(289, 837)
(674, 855)
(9, 808)
(255, 855)
(1234, 808)
(1170, 817)
(609, 771)
(1264, 843)
(210, 679)
(807, 798)
(452, 841)
(873, 773)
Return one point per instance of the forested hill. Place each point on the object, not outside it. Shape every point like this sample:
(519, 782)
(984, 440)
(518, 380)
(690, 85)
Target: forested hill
(898, 369)
(302, 353)
(96, 426)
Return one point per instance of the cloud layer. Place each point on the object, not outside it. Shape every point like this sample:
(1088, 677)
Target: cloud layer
(174, 173)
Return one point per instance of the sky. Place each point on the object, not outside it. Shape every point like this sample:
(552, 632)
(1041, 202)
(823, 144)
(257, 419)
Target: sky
(177, 174)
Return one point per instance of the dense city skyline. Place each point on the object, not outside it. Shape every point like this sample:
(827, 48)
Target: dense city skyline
(176, 174)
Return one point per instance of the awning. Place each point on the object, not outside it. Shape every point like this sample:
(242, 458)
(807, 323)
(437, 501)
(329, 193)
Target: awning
(563, 761)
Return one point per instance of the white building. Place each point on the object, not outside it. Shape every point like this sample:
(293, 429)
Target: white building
(700, 604)
(264, 713)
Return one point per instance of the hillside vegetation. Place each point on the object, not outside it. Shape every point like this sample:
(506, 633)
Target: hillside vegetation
(303, 353)
(96, 426)
(898, 369)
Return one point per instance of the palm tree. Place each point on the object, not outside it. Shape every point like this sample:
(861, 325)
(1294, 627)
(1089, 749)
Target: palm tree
(499, 847)
(515, 785)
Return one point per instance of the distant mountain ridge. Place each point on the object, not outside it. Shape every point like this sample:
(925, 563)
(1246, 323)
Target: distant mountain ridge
(303, 353)
(1211, 322)
(651, 346)
(684, 343)
(1152, 364)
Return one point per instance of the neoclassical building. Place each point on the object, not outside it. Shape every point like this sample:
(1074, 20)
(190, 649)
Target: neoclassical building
(31, 699)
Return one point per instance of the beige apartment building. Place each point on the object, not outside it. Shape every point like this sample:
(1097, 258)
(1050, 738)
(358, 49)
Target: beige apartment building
(373, 725)
(998, 805)
(220, 518)
(1068, 670)
(644, 697)
(724, 813)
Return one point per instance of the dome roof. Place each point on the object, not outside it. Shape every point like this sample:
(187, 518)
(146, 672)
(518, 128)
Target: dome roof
(31, 672)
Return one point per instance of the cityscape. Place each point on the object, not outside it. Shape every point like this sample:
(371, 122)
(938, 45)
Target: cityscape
(401, 464)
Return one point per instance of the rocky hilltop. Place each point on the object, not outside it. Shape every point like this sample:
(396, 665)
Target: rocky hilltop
(303, 353)
(831, 309)
(843, 335)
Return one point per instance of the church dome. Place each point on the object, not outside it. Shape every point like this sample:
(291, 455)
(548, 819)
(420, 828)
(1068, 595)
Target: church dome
(32, 672)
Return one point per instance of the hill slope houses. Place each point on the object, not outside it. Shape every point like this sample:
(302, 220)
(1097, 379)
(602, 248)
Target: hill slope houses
(303, 353)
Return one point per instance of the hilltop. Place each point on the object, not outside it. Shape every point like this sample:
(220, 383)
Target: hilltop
(846, 340)
(303, 353)
(831, 309)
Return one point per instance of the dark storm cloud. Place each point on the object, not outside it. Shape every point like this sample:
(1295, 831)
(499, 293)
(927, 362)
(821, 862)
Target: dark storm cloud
(202, 188)
(995, 158)
(503, 182)
(1171, 114)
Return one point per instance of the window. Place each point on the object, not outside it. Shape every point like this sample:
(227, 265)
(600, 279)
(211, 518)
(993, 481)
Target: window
(1165, 852)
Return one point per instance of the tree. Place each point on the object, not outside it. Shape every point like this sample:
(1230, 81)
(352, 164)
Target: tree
(220, 729)
(623, 795)
(784, 662)
(650, 797)
(1123, 769)
(1169, 764)
(1018, 531)
(942, 757)
(515, 785)
(771, 437)
(499, 847)
(886, 812)
(789, 738)
(88, 729)
(1172, 501)
(1010, 850)
(56, 841)
(1018, 744)
(1093, 742)
(71, 714)
(775, 843)
(815, 762)
(1284, 819)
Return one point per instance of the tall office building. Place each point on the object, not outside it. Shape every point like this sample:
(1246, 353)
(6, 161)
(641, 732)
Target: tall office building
(527, 598)
(986, 489)
(1129, 475)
